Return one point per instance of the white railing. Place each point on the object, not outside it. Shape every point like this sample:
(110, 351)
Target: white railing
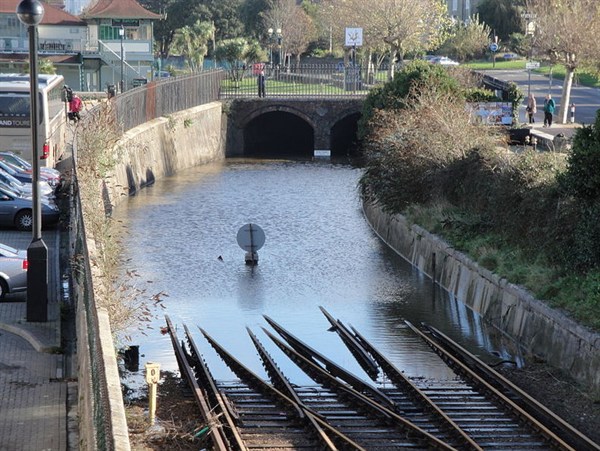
(113, 59)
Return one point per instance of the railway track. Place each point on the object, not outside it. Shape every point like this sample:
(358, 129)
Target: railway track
(476, 410)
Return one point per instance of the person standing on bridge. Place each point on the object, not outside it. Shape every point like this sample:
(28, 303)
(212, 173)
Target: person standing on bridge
(261, 83)
(549, 107)
(531, 108)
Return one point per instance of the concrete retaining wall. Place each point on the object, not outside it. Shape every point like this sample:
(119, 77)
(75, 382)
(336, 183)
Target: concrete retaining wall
(165, 146)
(151, 151)
(540, 330)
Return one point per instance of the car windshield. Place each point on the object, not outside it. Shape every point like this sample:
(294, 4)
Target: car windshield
(15, 159)
(10, 179)
(5, 249)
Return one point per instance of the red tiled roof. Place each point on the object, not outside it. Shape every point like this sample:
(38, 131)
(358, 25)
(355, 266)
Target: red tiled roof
(118, 9)
(52, 14)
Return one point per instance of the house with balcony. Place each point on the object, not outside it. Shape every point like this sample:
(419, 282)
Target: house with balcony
(120, 44)
(112, 41)
(61, 39)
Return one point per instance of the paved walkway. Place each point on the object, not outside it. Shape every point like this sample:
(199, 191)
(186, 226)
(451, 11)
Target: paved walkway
(33, 388)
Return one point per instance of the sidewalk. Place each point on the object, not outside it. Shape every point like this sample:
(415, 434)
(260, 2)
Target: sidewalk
(33, 388)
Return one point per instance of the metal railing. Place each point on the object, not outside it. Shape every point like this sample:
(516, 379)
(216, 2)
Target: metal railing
(327, 80)
(166, 96)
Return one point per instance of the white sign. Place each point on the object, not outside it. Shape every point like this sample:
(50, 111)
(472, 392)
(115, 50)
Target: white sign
(532, 65)
(354, 37)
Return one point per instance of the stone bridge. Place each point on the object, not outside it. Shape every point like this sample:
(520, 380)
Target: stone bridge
(292, 126)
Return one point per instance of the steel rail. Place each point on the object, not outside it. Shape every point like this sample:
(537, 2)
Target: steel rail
(219, 441)
(203, 373)
(314, 356)
(316, 420)
(358, 399)
(476, 379)
(358, 351)
(577, 439)
(416, 394)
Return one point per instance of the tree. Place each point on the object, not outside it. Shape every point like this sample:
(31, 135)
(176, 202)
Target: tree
(467, 40)
(192, 42)
(176, 15)
(567, 32)
(502, 16)
(238, 54)
(297, 29)
(401, 26)
(226, 16)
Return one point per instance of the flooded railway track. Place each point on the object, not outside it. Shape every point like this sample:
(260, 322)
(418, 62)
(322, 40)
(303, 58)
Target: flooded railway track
(476, 410)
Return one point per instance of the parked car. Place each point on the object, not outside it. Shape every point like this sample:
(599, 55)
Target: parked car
(13, 270)
(24, 188)
(16, 211)
(444, 61)
(22, 175)
(51, 175)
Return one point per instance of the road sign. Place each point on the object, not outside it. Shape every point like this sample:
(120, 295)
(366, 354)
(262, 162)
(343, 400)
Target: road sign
(494, 47)
(354, 37)
(251, 237)
(532, 65)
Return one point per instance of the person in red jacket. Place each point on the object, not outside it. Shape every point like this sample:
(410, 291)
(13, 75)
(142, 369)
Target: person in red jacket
(75, 106)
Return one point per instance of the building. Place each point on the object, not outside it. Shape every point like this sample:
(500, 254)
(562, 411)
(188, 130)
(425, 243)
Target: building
(120, 43)
(61, 40)
(112, 41)
(462, 9)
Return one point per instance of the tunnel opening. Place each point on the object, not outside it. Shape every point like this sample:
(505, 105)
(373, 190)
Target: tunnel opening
(278, 133)
(344, 141)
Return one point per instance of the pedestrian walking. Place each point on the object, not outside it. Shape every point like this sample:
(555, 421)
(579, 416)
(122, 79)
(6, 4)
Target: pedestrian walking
(531, 108)
(549, 107)
(261, 83)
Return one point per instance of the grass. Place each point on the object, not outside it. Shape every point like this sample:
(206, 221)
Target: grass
(583, 76)
(576, 294)
(501, 64)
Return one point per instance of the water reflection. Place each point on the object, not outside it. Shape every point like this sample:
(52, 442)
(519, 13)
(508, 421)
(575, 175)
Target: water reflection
(319, 251)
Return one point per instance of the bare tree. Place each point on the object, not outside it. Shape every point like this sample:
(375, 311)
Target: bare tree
(297, 29)
(401, 26)
(567, 32)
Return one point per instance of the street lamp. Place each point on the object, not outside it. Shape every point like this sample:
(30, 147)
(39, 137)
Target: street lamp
(275, 36)
(30, 13)
(122, 35)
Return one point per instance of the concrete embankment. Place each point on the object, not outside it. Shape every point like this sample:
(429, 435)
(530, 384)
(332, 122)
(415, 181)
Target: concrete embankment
(154, 150)
(165, 146)
(540, 331)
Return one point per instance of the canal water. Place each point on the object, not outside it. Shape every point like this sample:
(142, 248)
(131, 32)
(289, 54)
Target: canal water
(319, 251)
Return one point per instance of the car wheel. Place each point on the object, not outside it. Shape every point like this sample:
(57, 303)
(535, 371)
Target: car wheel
(24, 220)
(3, 288)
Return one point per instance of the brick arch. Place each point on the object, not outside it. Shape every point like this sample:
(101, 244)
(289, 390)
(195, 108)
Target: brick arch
(273, 109)
(344, 114)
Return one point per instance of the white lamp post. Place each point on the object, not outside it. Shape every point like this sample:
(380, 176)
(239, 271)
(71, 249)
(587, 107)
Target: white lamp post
(30, 13)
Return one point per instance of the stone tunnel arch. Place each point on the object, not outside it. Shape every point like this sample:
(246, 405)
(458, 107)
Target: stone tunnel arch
(278, 133)
(343, 140)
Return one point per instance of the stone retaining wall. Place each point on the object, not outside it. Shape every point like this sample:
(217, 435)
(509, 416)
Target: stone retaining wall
(165, 146)
(540, 330)
(146, 153)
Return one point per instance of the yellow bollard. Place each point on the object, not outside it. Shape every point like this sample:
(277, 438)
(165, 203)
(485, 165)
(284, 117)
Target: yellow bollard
(152, 378)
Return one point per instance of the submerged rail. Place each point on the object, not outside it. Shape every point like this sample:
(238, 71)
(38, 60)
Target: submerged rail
(475, 410)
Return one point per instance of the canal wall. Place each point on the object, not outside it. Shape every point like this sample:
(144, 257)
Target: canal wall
(164, 146)
(541, 331)
(146, 153)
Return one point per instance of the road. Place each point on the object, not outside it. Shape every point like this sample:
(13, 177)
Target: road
(586, 100)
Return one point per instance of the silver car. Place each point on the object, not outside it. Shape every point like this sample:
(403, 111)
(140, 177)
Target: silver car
(13, 270)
